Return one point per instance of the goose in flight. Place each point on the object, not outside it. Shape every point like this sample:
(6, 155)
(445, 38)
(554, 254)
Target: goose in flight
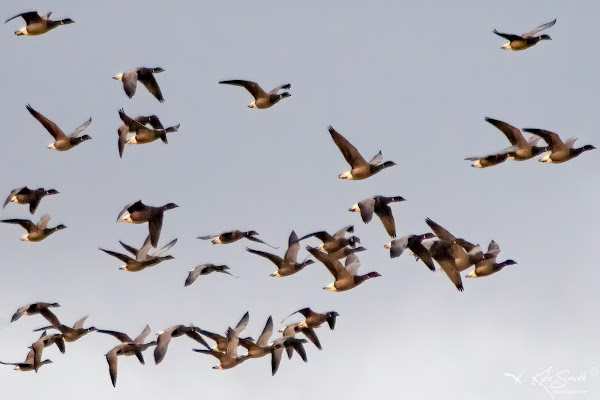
(62, 142)
(345, 276)
(125, 338)
(229, 358)
(415, 244)
(379, 205)
(164, 338)
(314, 319)
(361, 169)
(234, 236)
(261, 98)
(289, 264)
(35, 232)
(36, 24)
(37, 308)
(131, 77)
(139, 213)
(143, 259)
(559, 151)
(338, 241)
(24, 195)
(141, 132)
(206, 269)
(124, 349)
(71, 334)
(526, 40)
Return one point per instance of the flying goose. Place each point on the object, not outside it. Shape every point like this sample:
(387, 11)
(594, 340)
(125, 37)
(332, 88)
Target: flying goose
(27, 365)
(62, 142)
(24, 195)
(35, 232)
(206, 269)
(288, 265)
(125, 338)
(315, 319)
(164, 337)
(234, 236)
(38, 24)
(229, 358)
(37, 308)
(379, 205)
(71, 334)
(293, 328)
(560, 152)
(336, 242)
(222, 341)
(138, 213)
(345, 277)
(361, 169)
(414, 243)
(124, 349)
(290, 344)
(488, 161)
(345, 252)
(261, 98)
(131, 77)
(43, 342)
(485, 264)
(451, 256)
(143, 259)
(30, 363)
(526, 40)
(262, 347)
(142, 133)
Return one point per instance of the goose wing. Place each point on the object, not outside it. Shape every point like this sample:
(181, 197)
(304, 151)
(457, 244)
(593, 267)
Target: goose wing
(349, 152)
(539, 29)
(50, 126)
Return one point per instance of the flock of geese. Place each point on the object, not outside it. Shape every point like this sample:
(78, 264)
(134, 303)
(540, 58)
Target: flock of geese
(452, 253)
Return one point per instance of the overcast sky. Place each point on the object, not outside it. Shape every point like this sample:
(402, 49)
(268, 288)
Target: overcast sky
(414, 79)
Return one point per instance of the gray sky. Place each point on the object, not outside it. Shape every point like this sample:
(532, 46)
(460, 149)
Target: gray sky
(415, 80)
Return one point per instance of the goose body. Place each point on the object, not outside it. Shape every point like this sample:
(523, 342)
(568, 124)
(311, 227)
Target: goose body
(38, 24)
(380, 206)
(345, 277)
(62, 142)
(262, 99)
(560, 151)
(144, 75)
(361, 169)
(24, 195)
(139, 213)
(35, 232)
(526, 40)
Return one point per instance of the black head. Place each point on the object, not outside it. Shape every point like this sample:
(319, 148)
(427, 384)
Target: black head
(67, 21)
(252, 233)
(82, 138)
(168, 257)
(308, 262)
(353, 240)
(51, 191)
(59, 227)
(388, 164)
(545, 37)
(508, 262)
(373, 274)
(157, 70)
(588, 147)
(53, 305)
(170, 206)
(285, 94)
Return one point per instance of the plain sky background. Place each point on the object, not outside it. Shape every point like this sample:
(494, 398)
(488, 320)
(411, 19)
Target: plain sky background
(414, 79)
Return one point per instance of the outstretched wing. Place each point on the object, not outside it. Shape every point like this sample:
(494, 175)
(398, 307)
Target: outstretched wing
(539, 29)
(349, 152)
